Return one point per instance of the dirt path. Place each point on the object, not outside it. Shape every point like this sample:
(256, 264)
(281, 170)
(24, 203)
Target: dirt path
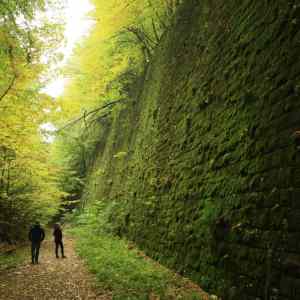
(52, 279)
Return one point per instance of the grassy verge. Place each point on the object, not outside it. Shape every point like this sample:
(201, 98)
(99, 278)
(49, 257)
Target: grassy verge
(124, 270)
(12, 259)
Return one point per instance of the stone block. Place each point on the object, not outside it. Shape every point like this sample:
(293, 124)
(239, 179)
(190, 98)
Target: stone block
(295, 198)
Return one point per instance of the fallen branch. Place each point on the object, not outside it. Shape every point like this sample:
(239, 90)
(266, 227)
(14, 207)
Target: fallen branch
(86, 114)
(98, 119)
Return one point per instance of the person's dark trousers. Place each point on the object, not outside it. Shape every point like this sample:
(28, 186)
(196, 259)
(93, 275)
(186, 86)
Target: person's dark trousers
(35, 250)
(57, 245)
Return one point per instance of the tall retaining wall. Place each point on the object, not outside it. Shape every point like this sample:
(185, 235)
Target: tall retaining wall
(204, 165)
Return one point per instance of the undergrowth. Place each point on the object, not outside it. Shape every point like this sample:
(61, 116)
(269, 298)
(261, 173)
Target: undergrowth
(12, 259)
(119, 266)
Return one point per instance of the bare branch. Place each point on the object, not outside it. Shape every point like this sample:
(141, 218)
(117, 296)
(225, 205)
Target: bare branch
(157, 37)
(145, 46)
(86, 114)
(98, 119)
(10, 86)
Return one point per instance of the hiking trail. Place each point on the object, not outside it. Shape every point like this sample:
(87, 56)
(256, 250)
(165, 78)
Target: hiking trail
(52, 278)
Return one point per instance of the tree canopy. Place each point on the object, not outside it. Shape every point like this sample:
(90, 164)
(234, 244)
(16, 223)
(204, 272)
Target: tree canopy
(28, 40)
(100, 74)
(34, 175)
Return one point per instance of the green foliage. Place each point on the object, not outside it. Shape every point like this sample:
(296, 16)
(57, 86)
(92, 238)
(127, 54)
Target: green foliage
(123, 271)
(104, 69)
(28, 189)
(12, 259)
(117, 264)
(212, 135)
(73, 153)
(120, 155)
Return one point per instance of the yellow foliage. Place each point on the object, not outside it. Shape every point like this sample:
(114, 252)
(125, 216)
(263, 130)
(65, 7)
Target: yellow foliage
(25, 170)
(108, 52)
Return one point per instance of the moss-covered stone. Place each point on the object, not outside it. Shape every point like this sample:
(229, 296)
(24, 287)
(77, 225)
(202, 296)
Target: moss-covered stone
(210, 181)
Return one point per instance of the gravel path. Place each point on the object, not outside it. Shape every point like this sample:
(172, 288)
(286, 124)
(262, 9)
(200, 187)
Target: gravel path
(51, 279)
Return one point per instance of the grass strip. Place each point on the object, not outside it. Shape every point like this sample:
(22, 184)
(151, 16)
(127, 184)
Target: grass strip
(126, 272)
(12, 259)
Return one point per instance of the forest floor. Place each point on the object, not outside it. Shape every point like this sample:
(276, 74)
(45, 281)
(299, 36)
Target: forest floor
(51, 279)
(69, 278)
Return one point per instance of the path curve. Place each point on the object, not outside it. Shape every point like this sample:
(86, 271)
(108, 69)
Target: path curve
(51, 279)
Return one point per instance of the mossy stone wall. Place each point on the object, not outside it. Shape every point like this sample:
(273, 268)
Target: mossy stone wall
(203, 163)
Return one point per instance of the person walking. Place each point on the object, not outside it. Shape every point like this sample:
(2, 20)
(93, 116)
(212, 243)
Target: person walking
(57, 233)
(36, 236)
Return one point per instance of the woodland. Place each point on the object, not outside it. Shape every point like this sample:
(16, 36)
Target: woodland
(43, 173)
(171, 159)
(38, 178)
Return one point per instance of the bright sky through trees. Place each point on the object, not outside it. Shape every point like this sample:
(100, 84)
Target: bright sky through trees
(77, 25)
(106, 47)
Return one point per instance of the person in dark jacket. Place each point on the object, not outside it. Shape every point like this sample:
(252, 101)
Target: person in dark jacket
(36, 236)
(57, 233)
